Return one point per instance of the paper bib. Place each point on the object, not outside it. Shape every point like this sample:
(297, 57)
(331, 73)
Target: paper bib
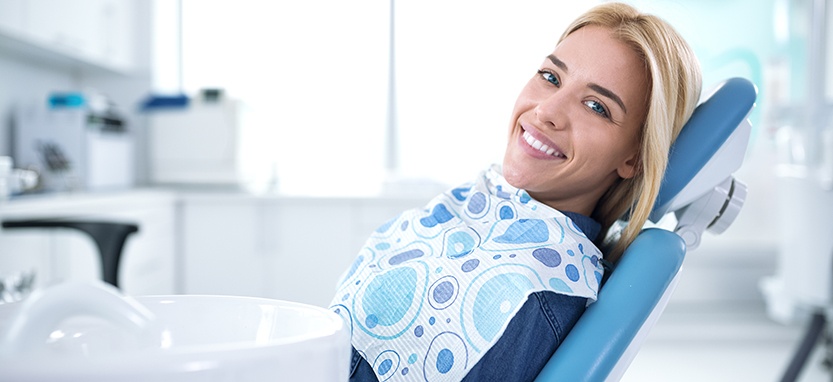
(433, 289)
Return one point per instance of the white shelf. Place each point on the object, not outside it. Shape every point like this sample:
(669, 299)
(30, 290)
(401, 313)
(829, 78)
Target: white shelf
(54, 55)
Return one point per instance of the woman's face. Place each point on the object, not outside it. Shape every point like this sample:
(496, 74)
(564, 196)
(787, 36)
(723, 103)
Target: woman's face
(576, 124)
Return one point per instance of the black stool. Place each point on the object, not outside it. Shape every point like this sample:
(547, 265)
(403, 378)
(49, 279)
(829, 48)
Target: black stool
(109, 237)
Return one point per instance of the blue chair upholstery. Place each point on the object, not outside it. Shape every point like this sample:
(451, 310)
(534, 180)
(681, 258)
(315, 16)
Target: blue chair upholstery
(601, 335)
(650, 264)
(709, 126)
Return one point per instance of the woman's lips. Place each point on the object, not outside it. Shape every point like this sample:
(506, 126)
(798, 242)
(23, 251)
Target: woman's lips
(547, 149)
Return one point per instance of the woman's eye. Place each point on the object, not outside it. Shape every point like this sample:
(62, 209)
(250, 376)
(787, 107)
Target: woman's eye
(597, 107)
(549, 77)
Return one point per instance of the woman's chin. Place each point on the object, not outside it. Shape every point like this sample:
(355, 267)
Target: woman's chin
(517, 176)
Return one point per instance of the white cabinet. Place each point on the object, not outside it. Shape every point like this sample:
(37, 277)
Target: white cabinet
(288, 248)
(11, 16)
(313, 246)
(67, 25)
(222, 249)
(94, 34)
(120, 37)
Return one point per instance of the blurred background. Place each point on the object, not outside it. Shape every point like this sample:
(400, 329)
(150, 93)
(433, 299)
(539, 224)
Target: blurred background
(257, 143)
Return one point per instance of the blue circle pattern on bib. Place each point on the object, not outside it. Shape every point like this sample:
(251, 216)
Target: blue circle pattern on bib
(434, 288)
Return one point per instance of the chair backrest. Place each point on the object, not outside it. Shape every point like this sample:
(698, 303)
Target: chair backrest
(710, 147)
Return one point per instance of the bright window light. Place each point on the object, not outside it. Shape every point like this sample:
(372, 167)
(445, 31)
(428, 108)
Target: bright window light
(313, 76)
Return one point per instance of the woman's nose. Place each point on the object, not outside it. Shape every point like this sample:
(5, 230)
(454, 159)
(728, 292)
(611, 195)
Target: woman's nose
(554, 110)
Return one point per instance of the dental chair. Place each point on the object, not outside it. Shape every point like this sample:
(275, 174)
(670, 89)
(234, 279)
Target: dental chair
(701, 192)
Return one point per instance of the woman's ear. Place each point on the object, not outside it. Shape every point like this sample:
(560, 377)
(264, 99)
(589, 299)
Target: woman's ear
(628, 168)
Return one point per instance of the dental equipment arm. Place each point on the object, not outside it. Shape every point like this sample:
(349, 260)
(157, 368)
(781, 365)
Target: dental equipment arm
(698, 186)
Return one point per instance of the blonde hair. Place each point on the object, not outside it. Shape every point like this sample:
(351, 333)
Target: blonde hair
(674, 90)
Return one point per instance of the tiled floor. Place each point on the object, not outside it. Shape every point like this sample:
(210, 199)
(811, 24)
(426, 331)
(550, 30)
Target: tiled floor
(714, 342)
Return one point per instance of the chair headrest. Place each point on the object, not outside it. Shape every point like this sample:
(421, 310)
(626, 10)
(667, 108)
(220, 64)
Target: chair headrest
(710, 146)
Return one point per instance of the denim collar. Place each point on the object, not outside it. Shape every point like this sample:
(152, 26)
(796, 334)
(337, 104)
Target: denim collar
(586, 224)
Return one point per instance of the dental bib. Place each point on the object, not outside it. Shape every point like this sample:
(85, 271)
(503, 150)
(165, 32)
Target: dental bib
(433, 289)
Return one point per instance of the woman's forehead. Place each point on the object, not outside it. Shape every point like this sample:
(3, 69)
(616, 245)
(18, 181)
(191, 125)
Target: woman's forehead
(593, 54)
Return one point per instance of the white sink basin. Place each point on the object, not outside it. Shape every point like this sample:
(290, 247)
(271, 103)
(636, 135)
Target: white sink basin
(90, 332)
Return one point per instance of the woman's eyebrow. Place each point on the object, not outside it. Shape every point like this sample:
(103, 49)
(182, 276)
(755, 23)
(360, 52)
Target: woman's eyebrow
(609, 94)
(598, 88)
(558, 62)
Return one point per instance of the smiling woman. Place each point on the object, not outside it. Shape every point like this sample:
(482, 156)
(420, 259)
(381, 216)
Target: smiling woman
(485, 281)
(573, 108)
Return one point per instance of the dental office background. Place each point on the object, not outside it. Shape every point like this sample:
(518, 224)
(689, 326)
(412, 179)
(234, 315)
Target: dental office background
(333, 116)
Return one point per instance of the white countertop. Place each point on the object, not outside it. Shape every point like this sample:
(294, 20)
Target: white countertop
(89, 203)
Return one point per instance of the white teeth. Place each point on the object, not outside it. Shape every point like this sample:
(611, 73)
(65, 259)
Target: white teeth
(540, 146)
